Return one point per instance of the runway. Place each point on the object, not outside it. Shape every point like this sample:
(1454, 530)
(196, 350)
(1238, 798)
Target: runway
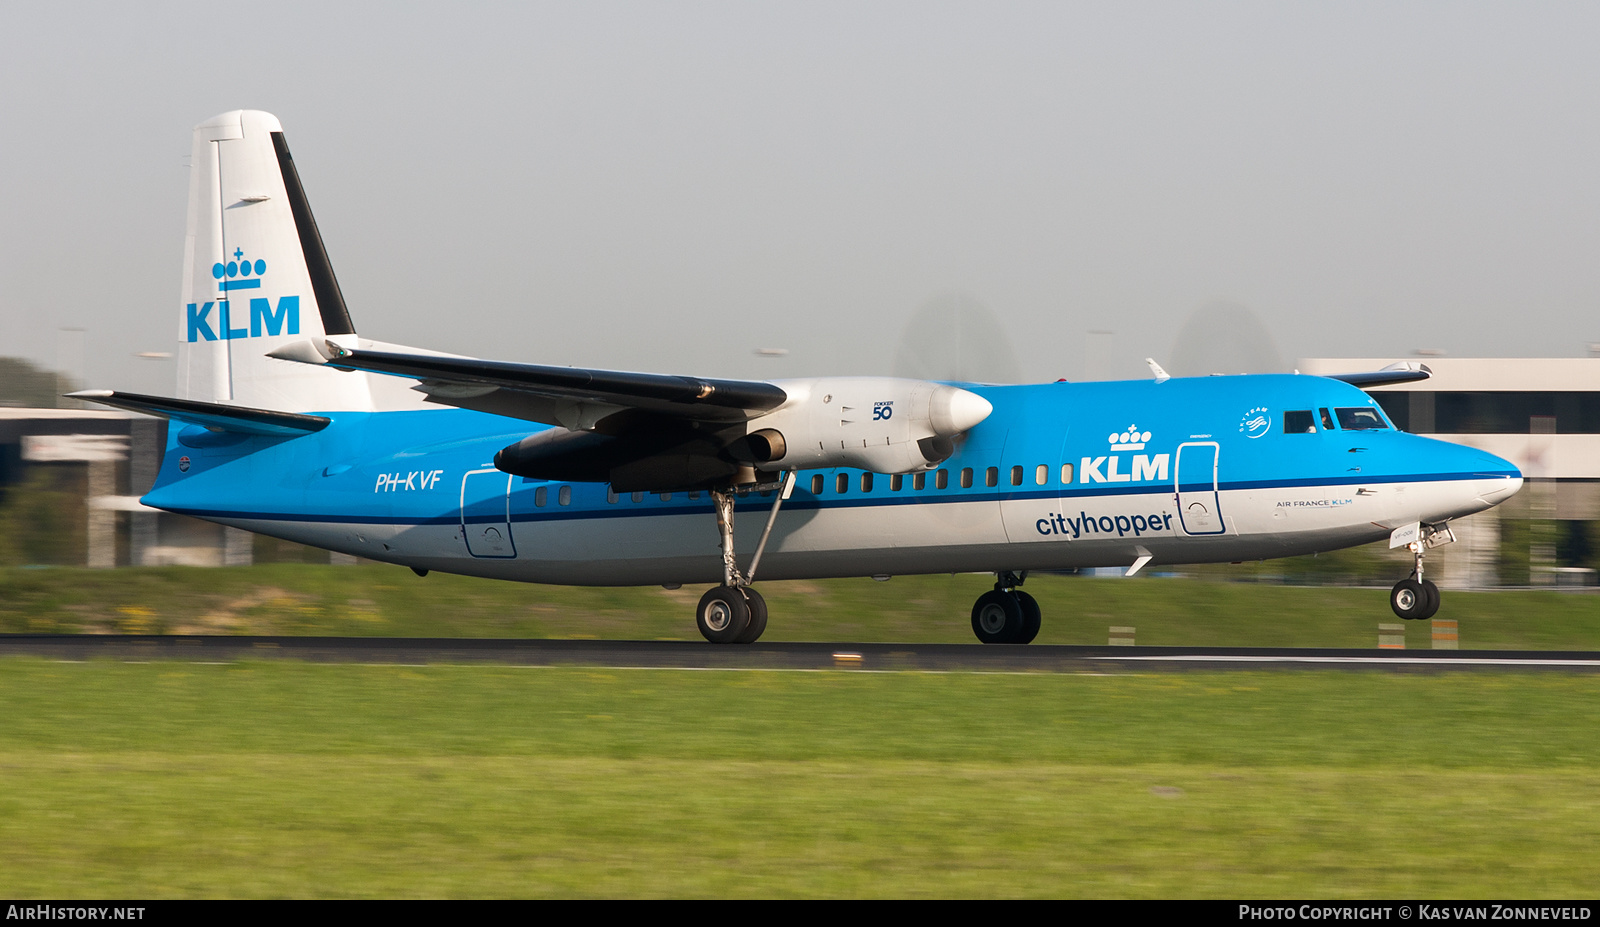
(696, 655)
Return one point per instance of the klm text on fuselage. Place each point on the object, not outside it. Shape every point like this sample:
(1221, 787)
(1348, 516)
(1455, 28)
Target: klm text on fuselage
(1145, 467)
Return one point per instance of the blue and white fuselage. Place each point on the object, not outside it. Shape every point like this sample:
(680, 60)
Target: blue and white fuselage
(1208, 473)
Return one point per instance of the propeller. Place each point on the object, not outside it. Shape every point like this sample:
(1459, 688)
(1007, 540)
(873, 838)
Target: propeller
(954, 336)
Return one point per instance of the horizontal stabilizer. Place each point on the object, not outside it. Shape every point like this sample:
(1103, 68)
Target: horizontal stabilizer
(573, 396)
(1404, 372)
(213, 415)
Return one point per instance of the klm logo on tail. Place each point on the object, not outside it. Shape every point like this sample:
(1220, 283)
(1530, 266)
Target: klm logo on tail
(240, 274)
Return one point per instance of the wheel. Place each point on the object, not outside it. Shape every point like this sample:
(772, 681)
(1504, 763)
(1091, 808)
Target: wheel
(723, 615)
(758, 616)
(1031, 617)
(997, 617)
(1409, 599)
(1433, 599)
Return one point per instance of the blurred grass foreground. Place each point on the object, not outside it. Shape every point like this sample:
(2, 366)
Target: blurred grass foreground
(287, 779)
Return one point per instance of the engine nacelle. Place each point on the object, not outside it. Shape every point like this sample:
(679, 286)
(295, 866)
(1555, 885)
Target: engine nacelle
(882, 424)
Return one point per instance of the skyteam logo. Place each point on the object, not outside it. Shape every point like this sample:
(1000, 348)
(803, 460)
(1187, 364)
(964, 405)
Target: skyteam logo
(1145, 467)
(241, 274)
(1255, 423)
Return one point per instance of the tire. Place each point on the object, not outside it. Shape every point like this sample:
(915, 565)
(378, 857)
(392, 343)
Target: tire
(758, 616)
(723, 615)
(1433, 599)
(1032, 618)
(997, 617)
(1409, 599)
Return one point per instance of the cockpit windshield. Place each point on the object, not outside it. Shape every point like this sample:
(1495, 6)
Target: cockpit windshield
(1361, 418)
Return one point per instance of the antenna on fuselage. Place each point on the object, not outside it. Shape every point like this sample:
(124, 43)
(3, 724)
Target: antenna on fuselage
(1161, 375)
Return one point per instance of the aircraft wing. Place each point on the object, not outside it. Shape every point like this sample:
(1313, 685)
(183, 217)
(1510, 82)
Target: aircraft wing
(213, 415)
(576, 397)
(1404, 372)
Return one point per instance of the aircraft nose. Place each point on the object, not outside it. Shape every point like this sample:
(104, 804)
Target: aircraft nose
(1498, 489)
(1495, 478)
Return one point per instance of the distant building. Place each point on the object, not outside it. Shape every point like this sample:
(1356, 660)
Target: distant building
(109, 459)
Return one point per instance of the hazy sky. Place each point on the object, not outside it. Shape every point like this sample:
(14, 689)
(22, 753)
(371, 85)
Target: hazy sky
(669, 186)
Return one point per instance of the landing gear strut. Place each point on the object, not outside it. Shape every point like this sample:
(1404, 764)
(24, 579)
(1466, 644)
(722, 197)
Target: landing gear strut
(1006, 614)
(734, 613)
(1415, 598)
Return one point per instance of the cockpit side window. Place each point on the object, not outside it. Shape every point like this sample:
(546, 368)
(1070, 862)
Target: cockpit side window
(1299, 422)
(1361, 418)
(1327, 420)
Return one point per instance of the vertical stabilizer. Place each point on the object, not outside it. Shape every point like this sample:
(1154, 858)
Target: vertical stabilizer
(256, 276)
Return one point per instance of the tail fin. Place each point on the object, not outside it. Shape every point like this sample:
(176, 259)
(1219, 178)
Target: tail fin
(256, 277)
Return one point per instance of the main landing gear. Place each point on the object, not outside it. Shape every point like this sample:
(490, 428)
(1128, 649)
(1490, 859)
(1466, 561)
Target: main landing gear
(1006, 614)
(734, 613)
(1415, 598)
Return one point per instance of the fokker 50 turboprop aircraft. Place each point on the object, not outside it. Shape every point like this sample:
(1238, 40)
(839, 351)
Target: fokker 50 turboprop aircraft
(290, 424)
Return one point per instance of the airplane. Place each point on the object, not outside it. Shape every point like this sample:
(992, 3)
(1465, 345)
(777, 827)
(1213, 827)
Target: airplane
(289, 423)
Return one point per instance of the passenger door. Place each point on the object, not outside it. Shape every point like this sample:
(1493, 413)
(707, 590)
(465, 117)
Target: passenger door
(486, 513)
(1195, 479)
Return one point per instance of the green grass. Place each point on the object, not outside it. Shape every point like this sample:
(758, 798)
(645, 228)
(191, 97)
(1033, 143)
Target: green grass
(290, 779)
(377, 600)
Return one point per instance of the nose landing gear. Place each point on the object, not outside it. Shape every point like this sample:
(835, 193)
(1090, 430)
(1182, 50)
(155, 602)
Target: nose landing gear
(1006, 614)
(1415, 598)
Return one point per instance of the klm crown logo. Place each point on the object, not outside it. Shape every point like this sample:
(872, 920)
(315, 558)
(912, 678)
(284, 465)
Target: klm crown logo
(241, 274)
(1142, 468)
(1131, 440)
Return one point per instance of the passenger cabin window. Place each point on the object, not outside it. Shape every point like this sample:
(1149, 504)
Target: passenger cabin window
(991, 476)
(1361, 418)
(966, 477)
(1299, 423)
(1016, 475)
(841, 483)
(919, 481)
(637, 497)
(896, 481)
(695, 494)
(1066, 474)
(1327, 420)
(866, 482)
(541, 496)
(565, 496)
(816, 485)
(666, 497)
(941, 479)
(1041, 475)
(611, 495)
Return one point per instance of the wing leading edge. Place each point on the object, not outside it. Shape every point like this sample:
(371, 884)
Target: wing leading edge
(1403, 372)
(576, 397)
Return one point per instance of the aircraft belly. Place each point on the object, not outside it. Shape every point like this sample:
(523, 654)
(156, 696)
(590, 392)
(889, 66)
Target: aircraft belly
(859, 540)
(943, 523)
